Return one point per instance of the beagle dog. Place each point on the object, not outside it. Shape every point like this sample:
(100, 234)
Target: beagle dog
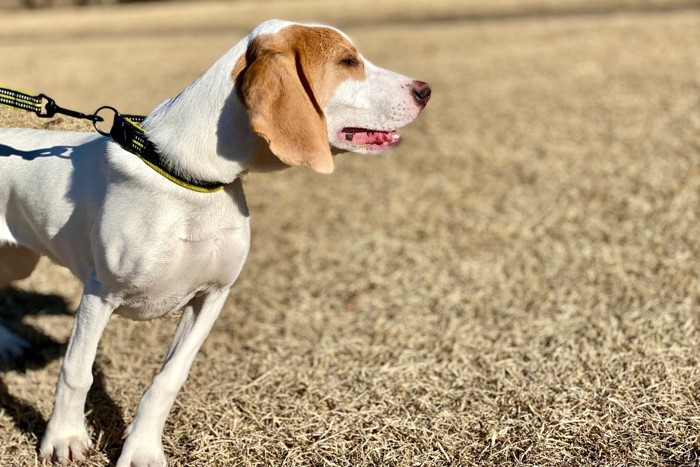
(144, 246)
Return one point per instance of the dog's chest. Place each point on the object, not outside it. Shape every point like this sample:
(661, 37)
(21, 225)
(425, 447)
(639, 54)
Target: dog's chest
(214, 259)
(193, 267)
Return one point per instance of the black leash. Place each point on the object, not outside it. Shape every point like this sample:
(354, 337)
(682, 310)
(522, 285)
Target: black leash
(126, 131)
(22, 101)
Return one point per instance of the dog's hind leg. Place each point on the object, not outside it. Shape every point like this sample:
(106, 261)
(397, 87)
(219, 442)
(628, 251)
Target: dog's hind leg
(16, 262)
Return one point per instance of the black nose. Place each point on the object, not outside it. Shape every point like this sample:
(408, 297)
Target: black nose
(421, 92)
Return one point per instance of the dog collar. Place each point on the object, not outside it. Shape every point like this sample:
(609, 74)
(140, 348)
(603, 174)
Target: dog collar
(128, 133)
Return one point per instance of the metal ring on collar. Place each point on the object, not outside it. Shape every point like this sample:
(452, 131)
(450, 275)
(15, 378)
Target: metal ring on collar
(94, 123)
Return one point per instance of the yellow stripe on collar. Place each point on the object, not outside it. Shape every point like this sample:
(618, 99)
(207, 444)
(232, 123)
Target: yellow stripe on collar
(132, 137)
(177, 181)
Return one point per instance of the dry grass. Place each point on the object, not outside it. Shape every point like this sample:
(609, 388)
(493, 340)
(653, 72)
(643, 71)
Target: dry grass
(518, 284)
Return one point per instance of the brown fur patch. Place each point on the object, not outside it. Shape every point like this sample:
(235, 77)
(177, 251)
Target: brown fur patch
(240, 65)
(320, 51)
(285, 80)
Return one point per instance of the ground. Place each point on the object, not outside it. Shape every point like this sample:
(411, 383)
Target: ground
(518, 284)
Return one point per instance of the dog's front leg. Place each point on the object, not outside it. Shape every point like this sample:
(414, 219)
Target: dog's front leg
(66, 437)
(143, 446)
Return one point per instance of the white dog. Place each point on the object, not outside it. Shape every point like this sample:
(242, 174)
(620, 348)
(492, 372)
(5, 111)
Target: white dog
(145, 246)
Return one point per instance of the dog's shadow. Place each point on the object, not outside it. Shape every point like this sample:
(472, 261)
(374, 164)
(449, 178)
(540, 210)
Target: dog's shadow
(56, 151)
(102, 412)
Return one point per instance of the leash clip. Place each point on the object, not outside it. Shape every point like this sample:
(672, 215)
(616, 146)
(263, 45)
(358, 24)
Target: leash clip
(51, 108)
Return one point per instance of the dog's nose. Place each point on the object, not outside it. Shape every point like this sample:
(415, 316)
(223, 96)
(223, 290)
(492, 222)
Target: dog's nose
(421, 92)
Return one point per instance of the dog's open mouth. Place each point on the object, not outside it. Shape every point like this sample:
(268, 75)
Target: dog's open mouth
(373, 140)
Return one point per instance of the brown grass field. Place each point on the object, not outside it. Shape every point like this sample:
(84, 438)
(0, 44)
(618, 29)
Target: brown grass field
(518, 284)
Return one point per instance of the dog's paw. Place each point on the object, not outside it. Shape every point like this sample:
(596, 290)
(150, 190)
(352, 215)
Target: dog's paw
(141, 453)
(11, 346)
(62, 446)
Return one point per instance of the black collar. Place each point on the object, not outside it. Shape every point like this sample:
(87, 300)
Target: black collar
(128, 133)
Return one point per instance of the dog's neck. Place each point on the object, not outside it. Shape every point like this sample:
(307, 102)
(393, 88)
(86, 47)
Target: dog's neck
(204, 132)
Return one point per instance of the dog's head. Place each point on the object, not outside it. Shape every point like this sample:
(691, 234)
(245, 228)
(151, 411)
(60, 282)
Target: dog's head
(307, 88)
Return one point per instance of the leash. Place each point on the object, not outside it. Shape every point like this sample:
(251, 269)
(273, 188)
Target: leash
(126, 131)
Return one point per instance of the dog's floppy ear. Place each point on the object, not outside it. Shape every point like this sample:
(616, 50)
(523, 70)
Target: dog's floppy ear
(283, 110)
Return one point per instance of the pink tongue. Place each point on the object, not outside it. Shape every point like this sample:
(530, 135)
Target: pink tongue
(373, 137)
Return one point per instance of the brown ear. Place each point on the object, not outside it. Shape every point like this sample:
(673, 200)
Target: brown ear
(284, 112)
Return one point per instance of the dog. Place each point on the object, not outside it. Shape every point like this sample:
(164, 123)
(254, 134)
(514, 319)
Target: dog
(287, 95)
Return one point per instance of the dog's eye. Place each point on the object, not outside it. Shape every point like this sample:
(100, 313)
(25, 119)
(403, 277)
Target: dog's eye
(350, 61)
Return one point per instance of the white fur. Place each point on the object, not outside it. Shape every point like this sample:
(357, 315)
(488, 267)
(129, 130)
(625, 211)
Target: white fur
(380, 102)
(143, 246)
